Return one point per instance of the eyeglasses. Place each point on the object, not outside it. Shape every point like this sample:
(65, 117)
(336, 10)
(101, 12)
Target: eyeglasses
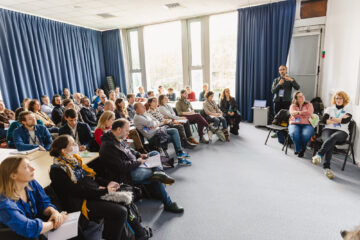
(338, 98)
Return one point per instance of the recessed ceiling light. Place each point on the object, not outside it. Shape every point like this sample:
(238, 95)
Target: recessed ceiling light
(172, 5)
(105, 15)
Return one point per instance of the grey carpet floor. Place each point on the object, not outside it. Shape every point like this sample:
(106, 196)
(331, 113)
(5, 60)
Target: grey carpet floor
(246, 190)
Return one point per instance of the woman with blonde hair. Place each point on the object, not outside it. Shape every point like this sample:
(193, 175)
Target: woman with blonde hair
(300, 128)
(23, 200)
(230, 110)
(336, 119)
(104, 125)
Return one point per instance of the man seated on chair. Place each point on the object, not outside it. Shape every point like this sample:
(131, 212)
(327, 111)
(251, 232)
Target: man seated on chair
(88, 113)
(108, 106)
(30, 135)
(130, 107)
(81, 132)
(122, 164)
(46, 107)
(185, 109)
(149, 127)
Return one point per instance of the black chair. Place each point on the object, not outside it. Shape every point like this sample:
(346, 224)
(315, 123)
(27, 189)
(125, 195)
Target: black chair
(342, 147)
(348, 145)
(274, 128)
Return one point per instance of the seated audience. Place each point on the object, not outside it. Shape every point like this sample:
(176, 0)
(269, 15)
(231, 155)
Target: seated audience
(100, 105)
(191, 94)
(77, 101)
(58, 111)
(214, 114)
(88, 113)
(108, 106)
(23, 202)
(184, 108)
(34, 106)
(81, 132)
(69, 104)
(130, 107)
(300, 129)
(6, 116)
(104, 125)
(203, 93)
(96, 95)
(25, 103)
(150, 94)
(14, 125)
(336, 119)
(149, 127)
(122, 164)
(171, 95)
(230, 109)
(155, 112)
(81, 189)
(112, 96)
(121, 110)
(119, 94)
(46, 107)
(30, 135)
(98, 98)
(141, 94)
(169, 113)
(160, 90)
(66, 94)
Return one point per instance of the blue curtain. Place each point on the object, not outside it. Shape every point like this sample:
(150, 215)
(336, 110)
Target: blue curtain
(39, 56)
(264, 35)
(114, 63)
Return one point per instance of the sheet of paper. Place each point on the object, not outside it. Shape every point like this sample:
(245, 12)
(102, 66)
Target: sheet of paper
(152, 162)
(24, 152)
(69, 229)
(181, 120)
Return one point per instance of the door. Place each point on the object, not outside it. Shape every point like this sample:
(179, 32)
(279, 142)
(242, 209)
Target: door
(303, 61)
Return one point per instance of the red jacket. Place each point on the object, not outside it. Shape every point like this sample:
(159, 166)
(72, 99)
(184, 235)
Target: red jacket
(191, 96)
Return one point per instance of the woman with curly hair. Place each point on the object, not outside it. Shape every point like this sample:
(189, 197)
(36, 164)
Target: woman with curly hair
(336, 119)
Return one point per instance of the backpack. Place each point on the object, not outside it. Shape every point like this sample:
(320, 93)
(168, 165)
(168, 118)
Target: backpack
(133, 225)
(220, 135)
(318, 106)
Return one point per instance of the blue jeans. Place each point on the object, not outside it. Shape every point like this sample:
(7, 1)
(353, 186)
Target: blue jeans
(173, 136)
(300, 134)
(3, 133)
(218, 120)
(143, 176)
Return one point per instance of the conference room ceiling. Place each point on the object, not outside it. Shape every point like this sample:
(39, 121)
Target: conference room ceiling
(110, 14)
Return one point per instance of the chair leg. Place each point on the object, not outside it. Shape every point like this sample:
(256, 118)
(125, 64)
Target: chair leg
(352, 153)
(287, 143)
(268, 136)
(346, 156)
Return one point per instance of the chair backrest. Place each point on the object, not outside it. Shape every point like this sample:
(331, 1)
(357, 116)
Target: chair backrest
(352, 131)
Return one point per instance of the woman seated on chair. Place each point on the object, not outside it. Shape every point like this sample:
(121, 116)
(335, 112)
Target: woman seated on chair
(155, 112)
(23, 200)
(300, 128)
(336, 119)
(230, 110)
(214, 114)
(169, 113)
(106, 120)
(80, 189)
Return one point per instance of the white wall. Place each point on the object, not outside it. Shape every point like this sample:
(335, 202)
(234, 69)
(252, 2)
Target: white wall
(341, 66)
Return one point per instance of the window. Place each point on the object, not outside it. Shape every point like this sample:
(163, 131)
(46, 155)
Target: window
(223, 40)
(134, 55)
(163, 58)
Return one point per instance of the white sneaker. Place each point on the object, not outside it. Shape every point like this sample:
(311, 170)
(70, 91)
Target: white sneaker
(316, 160)
(328, 173)
(210, 134)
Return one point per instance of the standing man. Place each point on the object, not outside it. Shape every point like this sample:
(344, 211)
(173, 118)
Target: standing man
(282, 88)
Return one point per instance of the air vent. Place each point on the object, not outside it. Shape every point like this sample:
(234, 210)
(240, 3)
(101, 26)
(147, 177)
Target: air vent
(172, 5)
(105, 15)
